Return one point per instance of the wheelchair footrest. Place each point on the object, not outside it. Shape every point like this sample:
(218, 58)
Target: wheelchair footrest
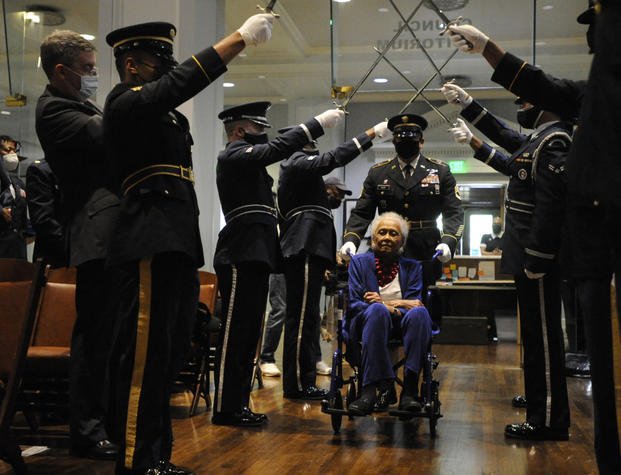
(407, 415)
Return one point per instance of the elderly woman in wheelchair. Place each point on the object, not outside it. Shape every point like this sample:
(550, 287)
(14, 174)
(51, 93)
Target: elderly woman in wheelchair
(385, 302)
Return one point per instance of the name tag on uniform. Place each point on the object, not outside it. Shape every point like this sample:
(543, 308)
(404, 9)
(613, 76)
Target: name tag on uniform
(383, 187)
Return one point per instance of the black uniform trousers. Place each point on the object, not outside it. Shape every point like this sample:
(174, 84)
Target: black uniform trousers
(96, 305)
(12, 244)
(304, 276)
(157, 311)
(539, 301)
(243, 287)
(595, 252)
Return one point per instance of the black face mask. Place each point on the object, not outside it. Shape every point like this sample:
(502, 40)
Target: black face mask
(256, 139)
(334, 202)
(496, 228)
(528, 118)
(407, 148)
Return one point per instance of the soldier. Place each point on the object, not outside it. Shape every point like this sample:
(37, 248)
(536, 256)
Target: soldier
(13, 219)
(308, 243)
(248, 248)
(416, 187)
(535, 208)
(156, 243)
(44, 202)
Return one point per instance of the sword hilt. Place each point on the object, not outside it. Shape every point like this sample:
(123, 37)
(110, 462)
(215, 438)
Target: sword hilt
(456, 22)
(268, 10)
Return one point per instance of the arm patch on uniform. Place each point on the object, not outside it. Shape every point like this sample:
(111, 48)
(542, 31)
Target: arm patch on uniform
(457, 194)
(136, 89)
(248, 150)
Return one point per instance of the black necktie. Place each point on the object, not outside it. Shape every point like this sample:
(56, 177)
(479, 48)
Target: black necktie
(408, 170)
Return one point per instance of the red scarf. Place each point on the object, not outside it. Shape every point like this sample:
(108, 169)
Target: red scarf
(386, 273)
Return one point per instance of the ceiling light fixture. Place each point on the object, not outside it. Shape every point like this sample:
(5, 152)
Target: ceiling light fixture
(382, 10)
(342, 1)
(380, 80)
(87, 37)
(547, 7)
(5, 113)
(447, 5)
(228, 84)
(48, 16)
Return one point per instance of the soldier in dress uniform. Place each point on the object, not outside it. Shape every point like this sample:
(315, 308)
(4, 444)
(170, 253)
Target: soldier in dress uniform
(44, 207)
(156, 242)
(593, 190)
(248, 249)
(308, 243)
(535, 206)
(418, 188)
(13, 218)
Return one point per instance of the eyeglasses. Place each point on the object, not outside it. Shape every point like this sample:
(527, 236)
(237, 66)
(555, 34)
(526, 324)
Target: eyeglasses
(88, 70)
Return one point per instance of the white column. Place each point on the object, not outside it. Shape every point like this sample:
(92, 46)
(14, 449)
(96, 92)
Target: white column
(199, 23)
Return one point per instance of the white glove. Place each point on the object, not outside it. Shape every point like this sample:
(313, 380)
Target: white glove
(347, 250)
(257, 29)
(461, 34)
(456, 95)
(461, 133)
(381, 131)
(330, 118)
(534, 275)
(446, 253)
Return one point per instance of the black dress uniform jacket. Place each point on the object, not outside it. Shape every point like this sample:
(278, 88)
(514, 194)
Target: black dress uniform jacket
(245, 190)
(306, 220)
(142, 129)
(71, 135)
(12, 239)
(420, 199)
(535, 214)
(44, 202)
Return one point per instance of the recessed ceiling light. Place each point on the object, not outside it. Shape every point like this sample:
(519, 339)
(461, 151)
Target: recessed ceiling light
(547, 7)
(242, 55)
(540, 43)
(342, 1)
(5, 113)
(282, 99)
(382, 10)
(228, 84)
(406, 71)
(380, 80)
(261, 76)
(87, 37)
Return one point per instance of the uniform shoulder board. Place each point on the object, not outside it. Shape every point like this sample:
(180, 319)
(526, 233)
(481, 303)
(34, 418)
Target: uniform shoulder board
(381, 164)
(436, 161)
(249, 150)
(136, 89)
(557, 141)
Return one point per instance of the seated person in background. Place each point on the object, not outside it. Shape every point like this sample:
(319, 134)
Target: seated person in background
(385, 299)
(491, 244)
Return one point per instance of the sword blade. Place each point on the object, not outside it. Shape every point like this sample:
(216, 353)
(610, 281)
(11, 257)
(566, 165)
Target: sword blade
(270, 6)
(439, 12)
(377, 60)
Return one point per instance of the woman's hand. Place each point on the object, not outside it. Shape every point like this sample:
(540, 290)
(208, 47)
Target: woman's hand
(372, 297)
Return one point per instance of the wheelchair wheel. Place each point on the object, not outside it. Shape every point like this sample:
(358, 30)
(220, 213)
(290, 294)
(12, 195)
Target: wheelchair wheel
(336, 403)
(433, 418)
(351, 393)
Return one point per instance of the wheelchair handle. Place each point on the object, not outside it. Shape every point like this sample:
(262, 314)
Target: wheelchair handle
(436, 254)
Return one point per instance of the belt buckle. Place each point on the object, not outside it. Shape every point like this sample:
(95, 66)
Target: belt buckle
(186, 173)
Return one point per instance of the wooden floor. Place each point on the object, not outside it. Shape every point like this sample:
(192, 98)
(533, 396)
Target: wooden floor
(476, 387)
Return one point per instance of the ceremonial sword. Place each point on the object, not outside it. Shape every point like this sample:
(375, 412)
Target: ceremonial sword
(269, 8)
(447, 22)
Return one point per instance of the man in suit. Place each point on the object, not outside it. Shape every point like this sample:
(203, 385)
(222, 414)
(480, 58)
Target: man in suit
(156, 243)
(593, 189)
(69, 127)
(248, 249)
(44, 207)
(416, 187)
(13, 220)
(535, 206)
(308, 243)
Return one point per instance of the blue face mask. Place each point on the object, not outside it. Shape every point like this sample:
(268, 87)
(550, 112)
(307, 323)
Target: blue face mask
(88, 86)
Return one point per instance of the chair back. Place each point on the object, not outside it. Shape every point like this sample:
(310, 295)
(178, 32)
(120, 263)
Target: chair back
(57, 312)
(20, 287)
(208, 290)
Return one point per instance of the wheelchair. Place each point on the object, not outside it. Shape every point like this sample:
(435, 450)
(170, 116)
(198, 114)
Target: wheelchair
(336, 405)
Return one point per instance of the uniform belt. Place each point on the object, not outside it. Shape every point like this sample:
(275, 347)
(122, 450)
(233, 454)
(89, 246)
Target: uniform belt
(308, 208)
(178, 171)
(422, 224)
(519, 206)
(250, 209)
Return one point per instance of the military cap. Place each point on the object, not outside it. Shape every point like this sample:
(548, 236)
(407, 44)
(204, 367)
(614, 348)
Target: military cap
(155, 38)
(587, 16)
(407, 120)
(254, 111)
(335, 181)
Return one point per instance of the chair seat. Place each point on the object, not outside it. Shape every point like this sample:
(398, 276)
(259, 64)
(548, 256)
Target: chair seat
(48, 359)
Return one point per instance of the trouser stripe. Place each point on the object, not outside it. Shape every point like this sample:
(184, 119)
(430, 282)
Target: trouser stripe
(225, 341)
(546, 352)
(140, 357)
(301, 327)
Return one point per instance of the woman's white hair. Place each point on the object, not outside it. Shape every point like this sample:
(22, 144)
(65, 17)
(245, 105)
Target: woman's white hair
(403, 224)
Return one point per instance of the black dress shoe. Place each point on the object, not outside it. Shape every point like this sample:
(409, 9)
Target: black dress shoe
(246, 412)
(102, 450)
(528, 431)
(311, 393)
(361, 407)
(241, 419)
(164, 467)
(518, 401)
(385, 399)
(409, 403)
